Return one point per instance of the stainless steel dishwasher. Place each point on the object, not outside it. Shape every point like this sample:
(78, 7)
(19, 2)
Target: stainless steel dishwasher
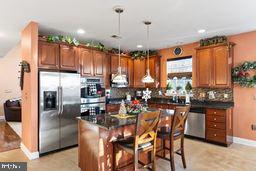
(195, 125)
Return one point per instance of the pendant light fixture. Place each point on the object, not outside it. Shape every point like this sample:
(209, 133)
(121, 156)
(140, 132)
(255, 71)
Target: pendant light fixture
(119, 78)
(147, 78)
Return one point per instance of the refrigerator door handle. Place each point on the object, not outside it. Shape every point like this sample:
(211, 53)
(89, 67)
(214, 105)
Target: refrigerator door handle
(59, 103)
(61, 99)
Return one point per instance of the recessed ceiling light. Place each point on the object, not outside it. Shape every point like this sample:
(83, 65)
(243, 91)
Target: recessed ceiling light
(139, 46)
(201, 31)
(80, 31)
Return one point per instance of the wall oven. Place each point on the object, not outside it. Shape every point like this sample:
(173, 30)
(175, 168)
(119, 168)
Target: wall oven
(93, 98)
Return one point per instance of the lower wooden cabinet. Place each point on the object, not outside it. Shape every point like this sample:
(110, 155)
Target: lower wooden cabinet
(161, 105)
(112, 108)
(219, 126)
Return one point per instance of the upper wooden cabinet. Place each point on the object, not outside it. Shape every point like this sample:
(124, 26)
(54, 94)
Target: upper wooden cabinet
(213, 66)
(92, 62)
(126, 64)
(59, 57)
(98, 62)
(114, 64)
(203, 67)
(222, 62)
(139, 71)
(154, 66)
(48, 55)
(123, 62)
(86, 61)
(68, 58)
(107, 70)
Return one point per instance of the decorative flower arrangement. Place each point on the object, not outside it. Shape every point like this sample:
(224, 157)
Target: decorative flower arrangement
(135, 107)
(241, 76)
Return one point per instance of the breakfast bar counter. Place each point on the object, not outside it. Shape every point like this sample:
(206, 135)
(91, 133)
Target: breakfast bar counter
(95, 137)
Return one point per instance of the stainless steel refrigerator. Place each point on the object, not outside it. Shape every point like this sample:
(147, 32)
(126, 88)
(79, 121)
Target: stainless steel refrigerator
(59, 106)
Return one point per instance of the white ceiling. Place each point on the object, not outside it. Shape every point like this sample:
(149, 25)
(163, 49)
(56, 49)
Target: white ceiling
(173, 21)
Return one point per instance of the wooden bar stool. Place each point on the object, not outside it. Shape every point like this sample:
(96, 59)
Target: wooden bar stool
(172, 133)
(143, 141)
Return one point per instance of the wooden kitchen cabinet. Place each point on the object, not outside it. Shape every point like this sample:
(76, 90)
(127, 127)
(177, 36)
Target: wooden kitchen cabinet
(222, 62)
(69, 59)
(123, 62)
(219, 126)
(48, 55)
(126, 65)
(130, 72)
(98, 62)
(92, 62)
(107, 70)
(139, 71)
(154, 66)
(213, 66)
(112, 108)
(57, 56)
(86, 61)
(203, 67)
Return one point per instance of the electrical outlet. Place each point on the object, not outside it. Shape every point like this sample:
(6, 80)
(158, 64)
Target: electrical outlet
(254, 127)
(225, 95)
(254, 97)
(202, 95)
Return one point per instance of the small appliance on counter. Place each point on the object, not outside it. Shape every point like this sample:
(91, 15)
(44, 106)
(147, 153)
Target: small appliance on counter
(119, 85)
(138, 94)
(93, 99)
(128, 97)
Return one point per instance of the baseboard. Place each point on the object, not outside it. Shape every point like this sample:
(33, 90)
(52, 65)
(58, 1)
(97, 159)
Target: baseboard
(31, 156)
(2, 118)
(244, 141)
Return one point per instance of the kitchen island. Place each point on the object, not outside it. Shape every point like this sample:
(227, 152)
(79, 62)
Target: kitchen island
(96, 134)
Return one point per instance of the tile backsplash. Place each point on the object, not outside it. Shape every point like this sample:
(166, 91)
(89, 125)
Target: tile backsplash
(224, 95)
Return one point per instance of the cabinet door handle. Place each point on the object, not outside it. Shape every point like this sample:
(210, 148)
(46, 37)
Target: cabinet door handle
(215, 135)
(215, 125)
(215, 119)
(214, 112)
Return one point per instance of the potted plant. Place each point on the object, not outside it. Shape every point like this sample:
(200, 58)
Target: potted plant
(188, 87)
(169, 88)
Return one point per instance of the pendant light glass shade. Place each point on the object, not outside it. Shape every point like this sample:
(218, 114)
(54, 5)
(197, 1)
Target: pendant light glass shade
(118, 77)
(147, 78)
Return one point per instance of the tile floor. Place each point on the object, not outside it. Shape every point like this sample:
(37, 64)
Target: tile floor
(200, 157)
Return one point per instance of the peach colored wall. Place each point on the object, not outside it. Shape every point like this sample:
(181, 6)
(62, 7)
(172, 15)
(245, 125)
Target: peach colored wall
(244, 113)
(29, 53)
(245, 105)
(9, 84)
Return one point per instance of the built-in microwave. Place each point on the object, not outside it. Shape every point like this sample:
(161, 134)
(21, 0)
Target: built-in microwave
(119, 84)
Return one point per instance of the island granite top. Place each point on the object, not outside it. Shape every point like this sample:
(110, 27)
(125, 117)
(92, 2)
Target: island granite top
(109, 122)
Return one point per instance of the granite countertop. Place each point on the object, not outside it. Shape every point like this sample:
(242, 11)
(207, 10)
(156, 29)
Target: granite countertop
(110, 122)
(194, 103)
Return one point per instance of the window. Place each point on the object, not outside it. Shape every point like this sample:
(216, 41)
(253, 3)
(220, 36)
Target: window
(179, 72)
